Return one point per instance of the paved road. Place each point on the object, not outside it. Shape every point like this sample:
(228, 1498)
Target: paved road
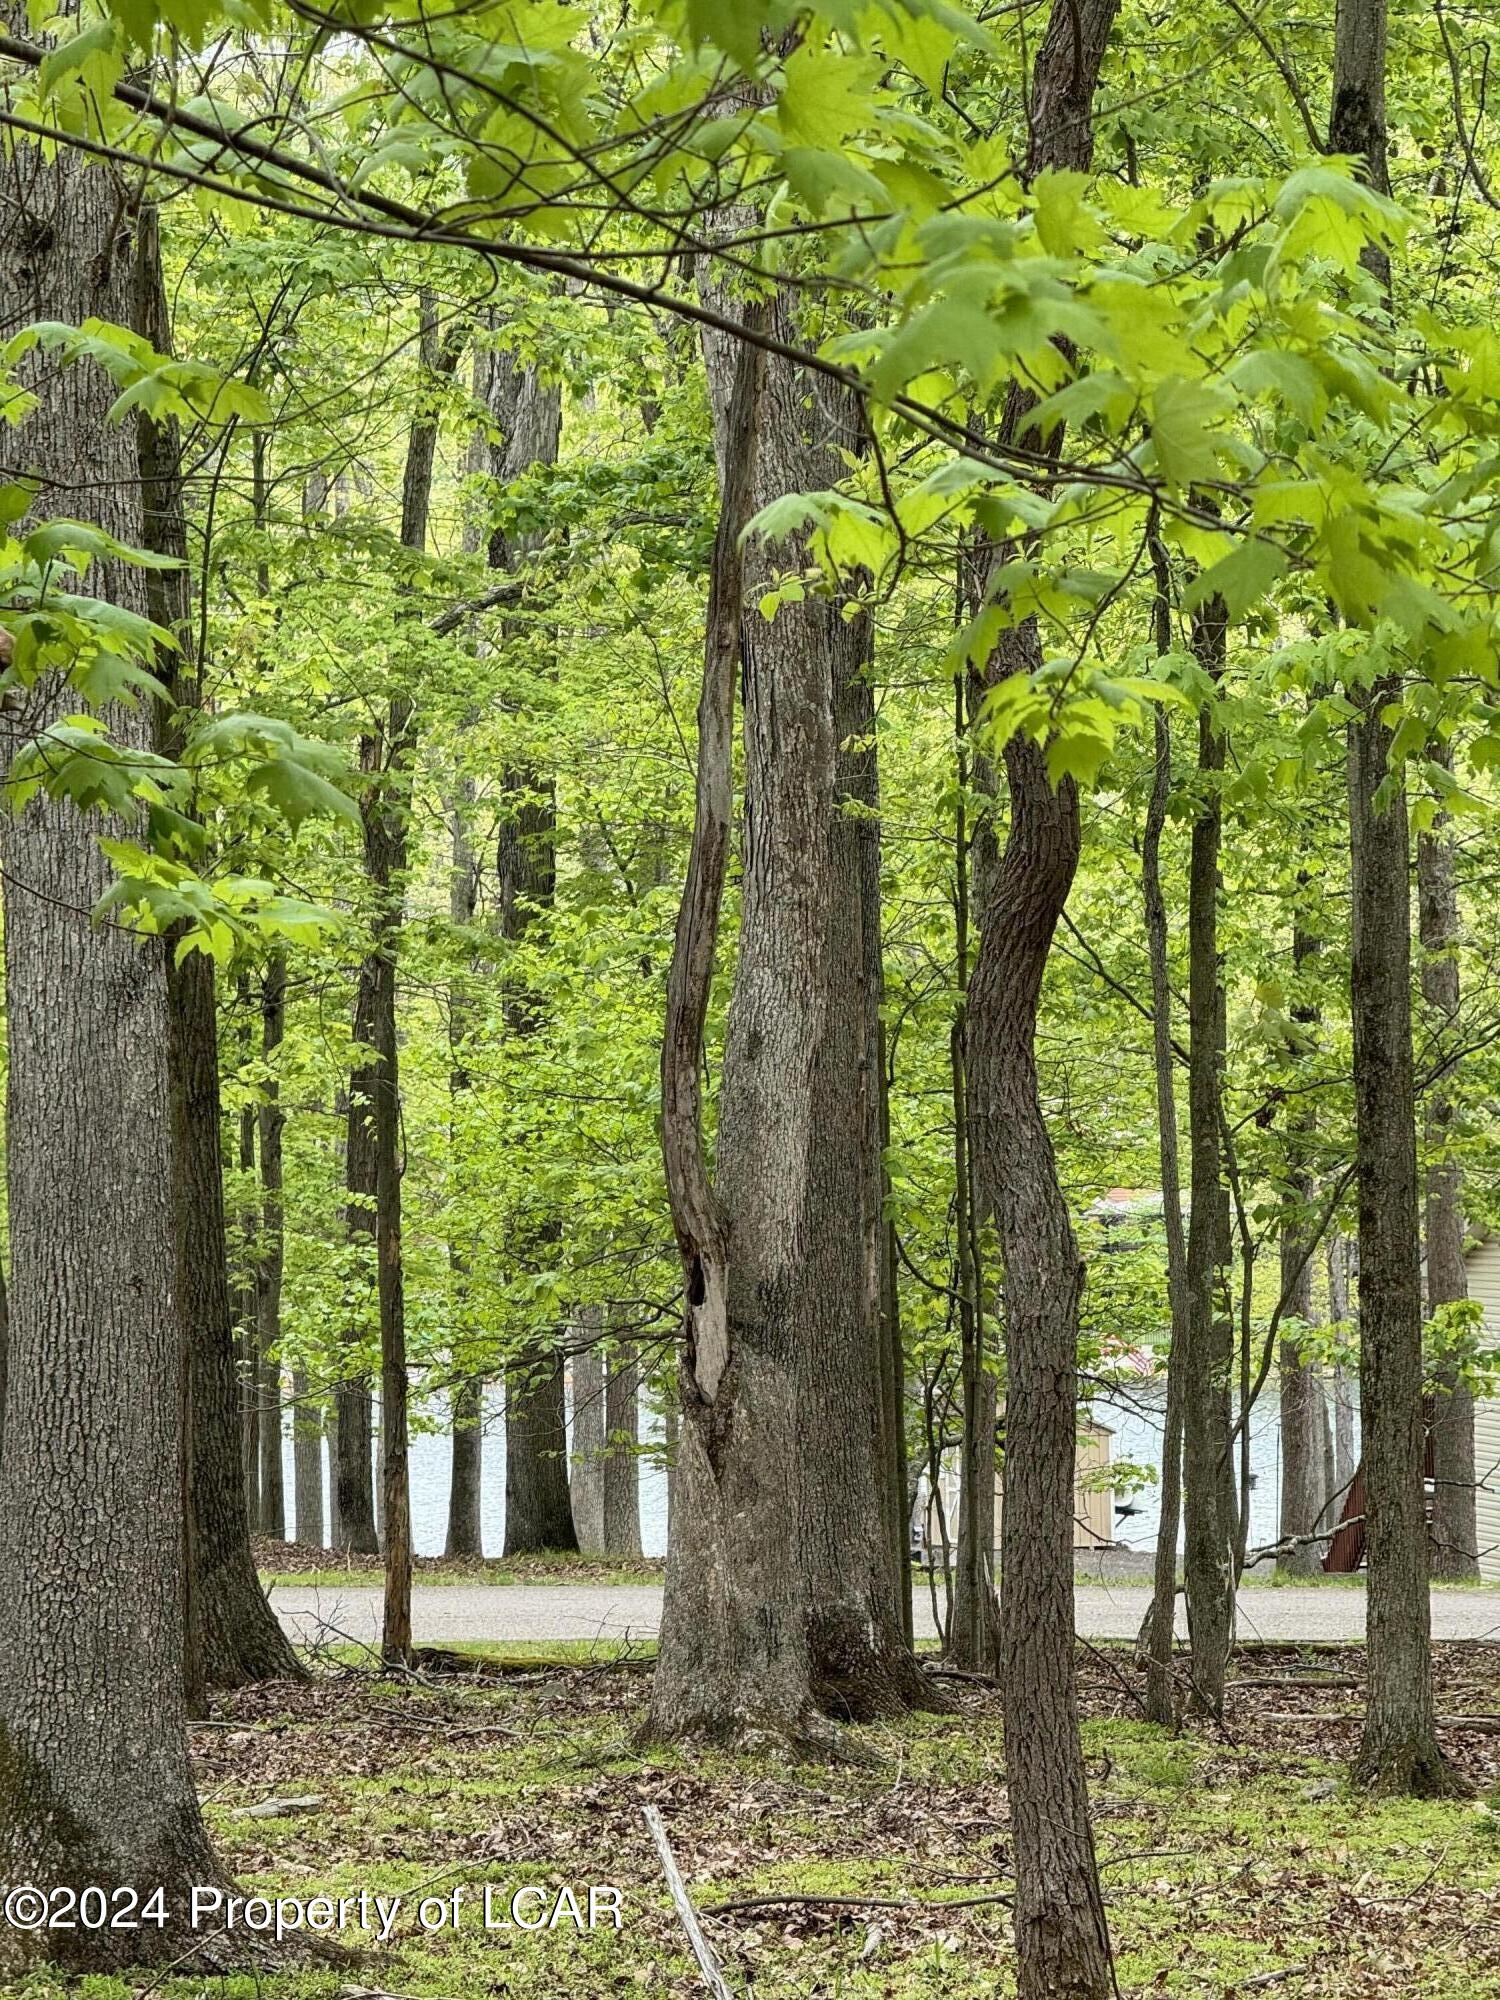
(600, 1611)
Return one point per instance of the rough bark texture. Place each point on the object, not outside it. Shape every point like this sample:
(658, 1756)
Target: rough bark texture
(1455, 1533)
(1399, 1750)
(95, 1784)
(973, 1639)
(465, 1534)
(235, 1635)
(1304, 1406)
(782, 1593)
(586, 1484)
(622, 1504)
(1062, 1938)
(1209, 1512)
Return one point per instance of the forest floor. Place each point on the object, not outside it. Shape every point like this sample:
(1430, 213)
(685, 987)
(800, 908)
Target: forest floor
(1235, 1862)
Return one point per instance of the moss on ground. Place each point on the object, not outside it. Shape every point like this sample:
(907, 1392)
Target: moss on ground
(1227, 1857)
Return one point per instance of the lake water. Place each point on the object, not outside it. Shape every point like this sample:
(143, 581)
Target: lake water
(1134, 1415)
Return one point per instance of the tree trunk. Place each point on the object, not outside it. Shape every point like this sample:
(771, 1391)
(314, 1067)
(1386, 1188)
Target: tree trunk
(1159, 1631)
(95, 1782)
(538, 1511)
(307, 1463)
(590, 1432)
(1061, 1934)
(1211, 1525)
(1062, 1937)
(465, 1537)
(527, 413)
(1455, 1531)
(235, 1636)
(622, 1506)
(270, 1264)
(246, 1360)
(1304, 1407)
(1399, 1750)
(782, 1594)
(973, 1641)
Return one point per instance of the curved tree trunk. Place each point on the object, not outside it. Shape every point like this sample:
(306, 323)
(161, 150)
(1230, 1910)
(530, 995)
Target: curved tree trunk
(95, 1782)
(1062, 1937)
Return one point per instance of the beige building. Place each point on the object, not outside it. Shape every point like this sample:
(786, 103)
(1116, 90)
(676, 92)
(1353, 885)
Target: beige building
(1093, 1496)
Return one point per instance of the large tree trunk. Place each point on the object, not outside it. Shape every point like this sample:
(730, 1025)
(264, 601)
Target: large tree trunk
(465, 1536)
(235, 1635)
(1304, 1406)
(782, 1592)
(622, 1484)
(95, 1783)
(1399, 1750)
(270, 1264)
(1455, 1532)
(1210, 1519)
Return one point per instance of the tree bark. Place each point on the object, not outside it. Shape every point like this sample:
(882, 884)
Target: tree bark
(1455, 1531)
(538, 1510)
(95, 1782)
(1399, 1749)
(271, 1121)
(622, 1506)
(1304, 1406)
(1159, 1631)
(465, 1537)
(307, 1463)
(973, 1640)
(783, 1599)
(1210, 1517)
(1062, 1937)
(235, 1637)
(590, 1431)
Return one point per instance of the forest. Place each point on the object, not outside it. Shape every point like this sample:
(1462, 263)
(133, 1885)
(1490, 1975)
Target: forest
(751, 1013)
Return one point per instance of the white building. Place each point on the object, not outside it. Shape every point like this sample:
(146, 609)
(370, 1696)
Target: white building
(1483, 1265)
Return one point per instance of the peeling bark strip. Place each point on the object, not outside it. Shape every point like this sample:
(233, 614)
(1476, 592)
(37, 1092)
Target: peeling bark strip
(95, 1784)
(235, 1634)
(1399, 1751)
(1062, 1938)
